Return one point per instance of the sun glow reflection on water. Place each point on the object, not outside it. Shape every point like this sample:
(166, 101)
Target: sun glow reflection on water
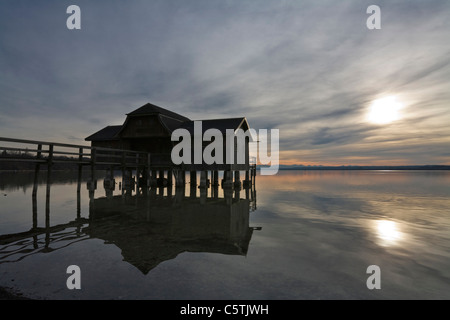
(388, 232)
(317, 231)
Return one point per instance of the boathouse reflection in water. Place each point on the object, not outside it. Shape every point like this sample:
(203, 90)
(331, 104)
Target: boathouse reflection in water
(149, 225)
(151, 228)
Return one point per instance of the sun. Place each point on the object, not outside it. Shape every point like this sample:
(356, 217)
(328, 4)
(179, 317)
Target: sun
(384, 110)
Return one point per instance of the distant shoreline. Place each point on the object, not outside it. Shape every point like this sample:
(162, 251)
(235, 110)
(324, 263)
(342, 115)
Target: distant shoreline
(285, 167)
(418, 167)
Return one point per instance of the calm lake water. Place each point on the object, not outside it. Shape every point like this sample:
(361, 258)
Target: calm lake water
(298, 235)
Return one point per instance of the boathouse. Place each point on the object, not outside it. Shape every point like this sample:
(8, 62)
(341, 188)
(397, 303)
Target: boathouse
(149, 129)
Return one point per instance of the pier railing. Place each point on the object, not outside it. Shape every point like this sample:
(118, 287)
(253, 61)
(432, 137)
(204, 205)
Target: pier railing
(52, 152)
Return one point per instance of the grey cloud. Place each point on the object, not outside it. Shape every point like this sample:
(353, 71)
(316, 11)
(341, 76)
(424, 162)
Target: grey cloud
(282, 64)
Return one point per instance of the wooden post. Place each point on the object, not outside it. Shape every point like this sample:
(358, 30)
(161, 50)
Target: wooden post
(93, 161)
(237, 179)
(193, 184)
(122, 184)
(154, 182)
(131, 183)
(169, 177)
(35, 186)
(237, 194)
(215, 178)
(34, 206)
(203, 186)
(92, 183)
(253, 198)
(123, 173)
(148, 170)
(109, 183)
(179, 178)
(138, 173)
(203, 179)
(253, 175)
(36, 169)
(80, 168)
(169, 191)
(203, 193)
(247, 183)
(47, 194)
(161, 182)
(161, 178)
(193, 178)
(228, 195)
(227, 179)
(179, 193)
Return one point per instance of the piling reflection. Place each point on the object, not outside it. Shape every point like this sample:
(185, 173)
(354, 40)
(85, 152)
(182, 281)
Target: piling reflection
(149, 224)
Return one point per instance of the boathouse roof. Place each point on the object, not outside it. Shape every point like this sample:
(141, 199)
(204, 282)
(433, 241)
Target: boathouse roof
(107, 133)
(149, 109)
(221, 124)
(171, 121)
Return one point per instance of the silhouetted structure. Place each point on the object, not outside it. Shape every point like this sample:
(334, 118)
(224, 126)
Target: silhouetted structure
(149, 129)
(150, 226)
(143, 145)
(151, 232)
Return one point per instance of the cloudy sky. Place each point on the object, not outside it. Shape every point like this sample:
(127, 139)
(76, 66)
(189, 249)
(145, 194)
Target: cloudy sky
(310, 68)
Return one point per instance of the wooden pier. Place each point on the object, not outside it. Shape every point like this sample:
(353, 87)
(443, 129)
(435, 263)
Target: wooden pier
(219, 222)
(151, 183)
(71, 155)
(146, 173)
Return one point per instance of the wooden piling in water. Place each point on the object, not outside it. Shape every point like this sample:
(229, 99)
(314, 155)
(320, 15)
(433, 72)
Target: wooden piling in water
(227, 182)
(215, 178)
(203, 179)
(169, 177)
(193, 180)
(237, 179)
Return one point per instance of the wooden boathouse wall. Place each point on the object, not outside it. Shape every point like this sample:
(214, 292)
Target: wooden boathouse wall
(146, 173)
(141, 150)
(149, 129)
